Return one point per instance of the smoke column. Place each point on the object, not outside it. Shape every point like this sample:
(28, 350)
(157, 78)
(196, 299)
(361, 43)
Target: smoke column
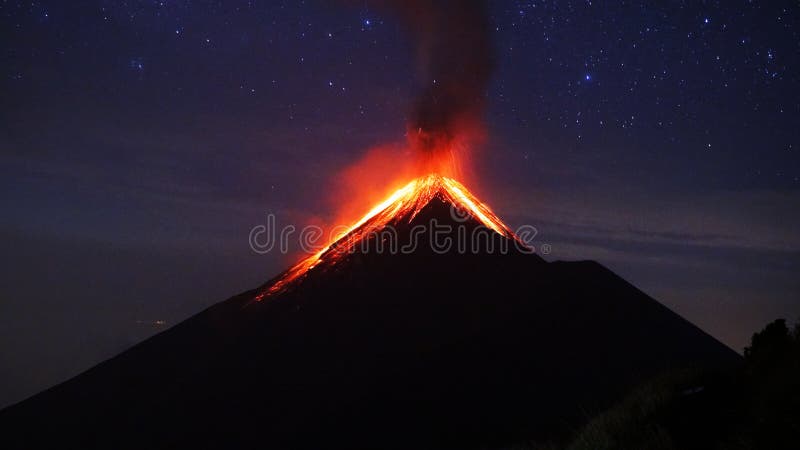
(454, 61)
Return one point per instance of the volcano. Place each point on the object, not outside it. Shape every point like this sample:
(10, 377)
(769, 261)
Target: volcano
(389, 337)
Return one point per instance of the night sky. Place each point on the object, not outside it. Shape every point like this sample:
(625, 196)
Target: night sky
(140, 141)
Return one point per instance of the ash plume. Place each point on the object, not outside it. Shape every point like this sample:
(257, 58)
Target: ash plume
(455, 61)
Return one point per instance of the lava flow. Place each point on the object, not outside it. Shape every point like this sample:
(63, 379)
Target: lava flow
(445, 124)
(400, 207)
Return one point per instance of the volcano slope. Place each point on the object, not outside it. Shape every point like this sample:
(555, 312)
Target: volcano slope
(425, 349)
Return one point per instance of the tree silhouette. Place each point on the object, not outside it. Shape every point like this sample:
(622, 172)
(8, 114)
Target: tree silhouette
(771, 347)
(772, 371)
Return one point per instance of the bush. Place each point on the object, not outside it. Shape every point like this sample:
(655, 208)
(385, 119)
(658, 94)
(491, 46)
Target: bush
(754, 407)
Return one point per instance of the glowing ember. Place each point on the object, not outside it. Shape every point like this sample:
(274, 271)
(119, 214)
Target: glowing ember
(402, 206)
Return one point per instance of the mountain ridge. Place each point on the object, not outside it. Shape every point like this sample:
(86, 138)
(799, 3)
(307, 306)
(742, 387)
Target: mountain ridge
(374, 349)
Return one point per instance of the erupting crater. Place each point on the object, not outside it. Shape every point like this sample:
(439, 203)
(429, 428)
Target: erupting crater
(401, 207)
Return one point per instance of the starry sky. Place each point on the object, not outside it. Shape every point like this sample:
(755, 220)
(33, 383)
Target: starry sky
(141, 140)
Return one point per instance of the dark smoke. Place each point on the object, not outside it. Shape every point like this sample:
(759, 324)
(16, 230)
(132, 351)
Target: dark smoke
(455, 61)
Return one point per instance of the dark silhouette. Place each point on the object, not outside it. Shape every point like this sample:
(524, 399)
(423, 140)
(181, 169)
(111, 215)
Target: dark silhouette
(754, 406)
(419, 350)
(772, 382)
(773, 347)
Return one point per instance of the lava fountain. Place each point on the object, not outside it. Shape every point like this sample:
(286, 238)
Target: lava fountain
(400, 207)
(444, 127)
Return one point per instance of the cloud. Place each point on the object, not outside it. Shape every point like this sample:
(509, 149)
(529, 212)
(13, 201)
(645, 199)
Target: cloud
(761, 220)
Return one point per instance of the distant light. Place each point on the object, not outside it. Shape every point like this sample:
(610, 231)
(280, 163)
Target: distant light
(588, 77)
(706, 20)
(157, 322)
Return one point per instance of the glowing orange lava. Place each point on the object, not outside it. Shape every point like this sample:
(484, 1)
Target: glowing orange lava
(401, 206)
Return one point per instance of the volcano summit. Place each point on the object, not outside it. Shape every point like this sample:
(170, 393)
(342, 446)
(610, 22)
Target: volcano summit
(404, 221)
(359, 348)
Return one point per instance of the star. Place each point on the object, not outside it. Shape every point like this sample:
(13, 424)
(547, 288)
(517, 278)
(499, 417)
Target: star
(136, 64)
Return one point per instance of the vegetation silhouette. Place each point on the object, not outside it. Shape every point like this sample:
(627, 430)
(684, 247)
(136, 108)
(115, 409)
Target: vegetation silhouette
(755, 406)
